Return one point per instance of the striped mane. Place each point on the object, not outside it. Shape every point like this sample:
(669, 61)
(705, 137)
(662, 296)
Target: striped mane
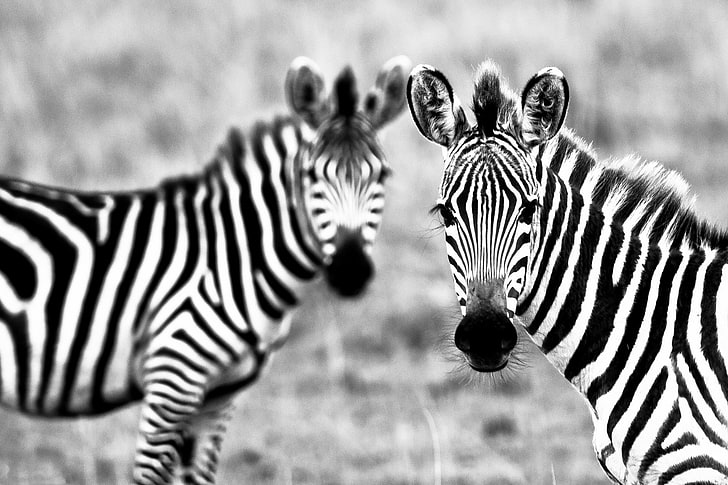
(644, 195)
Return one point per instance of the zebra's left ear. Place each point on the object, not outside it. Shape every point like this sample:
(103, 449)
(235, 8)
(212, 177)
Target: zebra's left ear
(386, 100)
(544, 101)
(306, 92)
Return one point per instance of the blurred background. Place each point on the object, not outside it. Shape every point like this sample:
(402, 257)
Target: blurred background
(118, 95)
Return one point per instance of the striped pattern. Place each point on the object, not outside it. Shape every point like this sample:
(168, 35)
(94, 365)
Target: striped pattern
(624, 299)
(177, 295)
(88, 279)
(625, 288)
(498, 246)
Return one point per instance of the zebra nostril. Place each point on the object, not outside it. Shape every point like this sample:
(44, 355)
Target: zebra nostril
(462, 343)
(506, 345)
(509, 338)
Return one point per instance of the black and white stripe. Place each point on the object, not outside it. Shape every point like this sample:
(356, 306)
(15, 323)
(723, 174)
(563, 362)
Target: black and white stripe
(624, 287)
(177, 295)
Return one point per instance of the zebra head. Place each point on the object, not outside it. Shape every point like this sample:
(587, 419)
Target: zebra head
(490, 194)
(343, 168)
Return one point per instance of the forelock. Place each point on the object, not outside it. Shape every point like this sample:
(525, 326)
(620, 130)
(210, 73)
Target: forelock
(493, 101)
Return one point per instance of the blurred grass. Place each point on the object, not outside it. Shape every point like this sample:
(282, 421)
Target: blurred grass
(120, 94)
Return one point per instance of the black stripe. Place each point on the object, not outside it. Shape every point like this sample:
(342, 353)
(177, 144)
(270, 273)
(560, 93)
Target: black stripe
(632, 327)
(647, 407)
(169, 247)
(571, 308)
(603, 383)
(582, 166)
(709, 330)
(687, 396)
(60, 201)
(561, 265)
(232, 249)
(202, 324)
(699, 461)
(684, 301)
(185, 360)
(656, 449)
(254, 233)
(606, 304)
(19, 270)
(63, 261)
(203, 355)
(563, 149)
(271, 201)
(142, 236)
(101, 263)
(547, 248)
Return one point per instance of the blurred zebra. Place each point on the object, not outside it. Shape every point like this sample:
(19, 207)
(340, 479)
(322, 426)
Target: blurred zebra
(177, 295)
(605, 264)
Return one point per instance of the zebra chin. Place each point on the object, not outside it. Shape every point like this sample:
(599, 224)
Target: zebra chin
(350, 269)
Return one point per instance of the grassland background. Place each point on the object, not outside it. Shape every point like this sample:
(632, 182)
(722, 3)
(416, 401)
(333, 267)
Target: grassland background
(115, 95)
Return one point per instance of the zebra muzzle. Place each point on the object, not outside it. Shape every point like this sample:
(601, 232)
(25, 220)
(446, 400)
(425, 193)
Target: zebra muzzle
(486, 339)
(350, 268)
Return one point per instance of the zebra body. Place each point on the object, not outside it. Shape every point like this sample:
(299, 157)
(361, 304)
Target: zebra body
(605, 264)
(177, 295)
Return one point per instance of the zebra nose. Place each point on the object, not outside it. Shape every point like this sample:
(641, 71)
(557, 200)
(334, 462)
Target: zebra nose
(350, 269)
(486, 339)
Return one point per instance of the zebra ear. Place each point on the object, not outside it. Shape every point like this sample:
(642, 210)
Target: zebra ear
(306, 92)
(435, 109)
(545, 100)
(386, 100)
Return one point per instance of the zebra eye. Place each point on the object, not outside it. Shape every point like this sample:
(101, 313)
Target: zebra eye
(384, 174)
(526, 215)
(445, 215)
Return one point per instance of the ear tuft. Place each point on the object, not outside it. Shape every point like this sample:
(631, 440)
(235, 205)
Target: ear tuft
(487, 98)
(386, 100)
(545, 101)
(306, 92)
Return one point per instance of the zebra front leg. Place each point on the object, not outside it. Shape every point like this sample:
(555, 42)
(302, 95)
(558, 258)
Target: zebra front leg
(174, 390)
(203, 441)
(165, 417)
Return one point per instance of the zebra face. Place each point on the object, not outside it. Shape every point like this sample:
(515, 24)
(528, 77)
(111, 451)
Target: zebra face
(490, 195)
(343, 168)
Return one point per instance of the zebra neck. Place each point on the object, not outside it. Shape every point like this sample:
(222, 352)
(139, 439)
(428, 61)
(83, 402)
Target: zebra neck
(258, 246)
(600, 285)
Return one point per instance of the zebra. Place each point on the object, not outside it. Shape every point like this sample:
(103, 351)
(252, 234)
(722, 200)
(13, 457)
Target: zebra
(604, 263)
(176, 296)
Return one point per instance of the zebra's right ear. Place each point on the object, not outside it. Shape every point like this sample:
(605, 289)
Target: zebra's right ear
(435, 109)
(306, 92)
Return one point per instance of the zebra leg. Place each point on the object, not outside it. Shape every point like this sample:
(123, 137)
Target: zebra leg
(167, 410)
(203, 441)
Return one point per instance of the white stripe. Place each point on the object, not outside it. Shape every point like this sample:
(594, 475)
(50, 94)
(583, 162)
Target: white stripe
(8, 368)
(81, 394)
(76, 290)
(119, 364)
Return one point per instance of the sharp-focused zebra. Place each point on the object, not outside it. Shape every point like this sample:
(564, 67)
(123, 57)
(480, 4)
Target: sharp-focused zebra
(177, 295)
(605, 264)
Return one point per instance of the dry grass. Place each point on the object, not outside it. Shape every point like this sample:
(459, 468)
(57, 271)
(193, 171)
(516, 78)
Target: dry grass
(119, 94)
